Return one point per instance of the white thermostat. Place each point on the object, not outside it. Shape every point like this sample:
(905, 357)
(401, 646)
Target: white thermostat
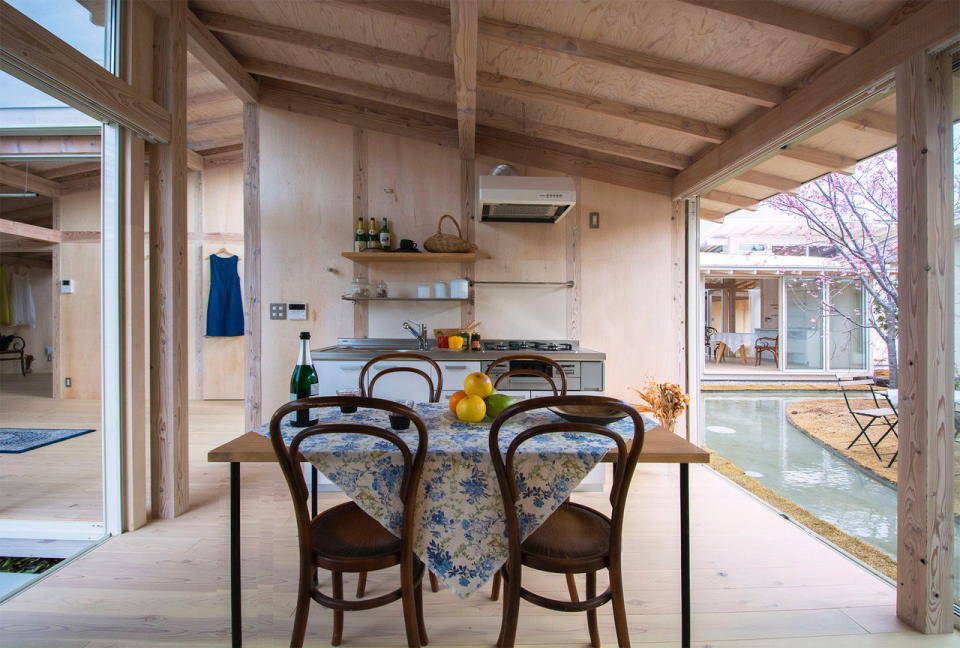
(66, 285)
(296, 311)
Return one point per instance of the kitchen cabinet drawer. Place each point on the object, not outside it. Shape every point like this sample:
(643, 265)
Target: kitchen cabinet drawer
(455, 371)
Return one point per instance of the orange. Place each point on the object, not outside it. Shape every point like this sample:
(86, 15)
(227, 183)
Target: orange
(455, 398)
(471, 409)
(478, 384)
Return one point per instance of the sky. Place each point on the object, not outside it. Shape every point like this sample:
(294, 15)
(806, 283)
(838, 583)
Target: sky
(68, 20)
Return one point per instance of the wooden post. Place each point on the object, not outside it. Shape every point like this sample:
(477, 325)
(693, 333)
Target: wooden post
(468, 223)
(170, 494)
(574, 260)
(925, 484)
(252, 390)
(361, 309)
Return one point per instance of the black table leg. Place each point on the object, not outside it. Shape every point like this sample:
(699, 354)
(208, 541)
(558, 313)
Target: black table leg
(235, 614)
(313, 490)
(685, 553)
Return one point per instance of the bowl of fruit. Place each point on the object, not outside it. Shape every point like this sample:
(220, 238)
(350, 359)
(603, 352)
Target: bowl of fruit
(478, 399)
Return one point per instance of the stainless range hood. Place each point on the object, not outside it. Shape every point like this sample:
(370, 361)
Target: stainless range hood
(524, 199)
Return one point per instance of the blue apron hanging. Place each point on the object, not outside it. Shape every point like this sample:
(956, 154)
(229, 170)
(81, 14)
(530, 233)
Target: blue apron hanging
(225, 306)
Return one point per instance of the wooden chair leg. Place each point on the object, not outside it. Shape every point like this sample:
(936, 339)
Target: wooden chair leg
(495, 590)
(337, 614)
(572, 588)
(511, 611)
(361, 584)
(421, 625)
(434, 583)
(408, 599)
(592, 614)
(303, 607)
(619, 606)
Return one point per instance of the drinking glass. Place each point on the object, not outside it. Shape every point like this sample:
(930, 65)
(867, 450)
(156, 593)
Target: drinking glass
(347, 409)
(398, 422)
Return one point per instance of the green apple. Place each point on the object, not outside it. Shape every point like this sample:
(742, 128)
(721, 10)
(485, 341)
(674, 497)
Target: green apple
(496, 403)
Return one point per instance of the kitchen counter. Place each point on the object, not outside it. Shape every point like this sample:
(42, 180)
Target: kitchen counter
(367, 348)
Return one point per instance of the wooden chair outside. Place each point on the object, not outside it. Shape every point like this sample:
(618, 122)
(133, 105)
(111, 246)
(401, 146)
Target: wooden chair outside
(770, 345)
(366, 389)
(575, 539)
(866, 418)
(344, 539)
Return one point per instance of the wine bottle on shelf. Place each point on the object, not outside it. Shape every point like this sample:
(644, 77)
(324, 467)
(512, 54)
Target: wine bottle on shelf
(302, 381)
(360, 237)
(373, 237)
(385, 236)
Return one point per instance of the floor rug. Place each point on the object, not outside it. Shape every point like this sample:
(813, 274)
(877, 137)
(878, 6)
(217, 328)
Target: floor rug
(14, 440)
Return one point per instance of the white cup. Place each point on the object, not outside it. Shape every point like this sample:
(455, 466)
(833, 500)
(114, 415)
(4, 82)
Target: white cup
(423, 291)
(440, 290)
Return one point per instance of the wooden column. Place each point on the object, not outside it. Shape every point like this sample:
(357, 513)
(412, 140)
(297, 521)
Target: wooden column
(729, 307)
(468, 224)
(361, 309)
(925, 484)
(574, 259)
(169, 459)
(252, 388)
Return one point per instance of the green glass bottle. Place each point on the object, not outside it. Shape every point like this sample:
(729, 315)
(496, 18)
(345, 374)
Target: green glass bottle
(302, 381)
(360, 237)
(385, 237)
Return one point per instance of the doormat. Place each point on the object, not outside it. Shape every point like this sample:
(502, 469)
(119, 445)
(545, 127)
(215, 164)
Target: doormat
(15, 440)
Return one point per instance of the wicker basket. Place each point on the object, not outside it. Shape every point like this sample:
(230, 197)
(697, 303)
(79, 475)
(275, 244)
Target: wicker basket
(441, 242)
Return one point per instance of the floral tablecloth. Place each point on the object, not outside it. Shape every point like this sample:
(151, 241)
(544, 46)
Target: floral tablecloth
(462, 531)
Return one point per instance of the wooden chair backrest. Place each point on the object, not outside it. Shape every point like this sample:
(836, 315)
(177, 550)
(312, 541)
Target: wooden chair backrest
(289, 457)
(435, 389)
(557, 370)
(503, 463)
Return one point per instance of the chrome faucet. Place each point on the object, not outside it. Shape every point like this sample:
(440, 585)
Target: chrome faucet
(418, 331)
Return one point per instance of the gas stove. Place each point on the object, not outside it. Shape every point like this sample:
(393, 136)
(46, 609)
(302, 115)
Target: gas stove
(530, 345)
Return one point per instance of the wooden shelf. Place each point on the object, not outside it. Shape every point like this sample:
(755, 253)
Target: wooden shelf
(421, 299)
(408, 257)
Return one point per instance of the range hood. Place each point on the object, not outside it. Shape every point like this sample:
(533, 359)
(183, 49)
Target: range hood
(524, 199)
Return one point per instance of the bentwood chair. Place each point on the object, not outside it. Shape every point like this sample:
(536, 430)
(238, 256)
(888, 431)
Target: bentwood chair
(557, 370)
(434, 391)
(769, 344)
(344, 539)
(884, 418)
(708, 333)
(575, 539)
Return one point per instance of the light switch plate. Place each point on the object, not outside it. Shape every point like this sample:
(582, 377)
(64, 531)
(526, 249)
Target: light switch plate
(278, 311)
(296, 311)
(594, 220)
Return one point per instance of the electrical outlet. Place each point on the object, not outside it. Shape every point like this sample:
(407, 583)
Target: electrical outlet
(68, 382)
(594, 220)
(278, 311)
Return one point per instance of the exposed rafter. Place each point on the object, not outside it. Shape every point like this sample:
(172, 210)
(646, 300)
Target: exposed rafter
(824, 32)
(218, 61)
(817, 157)
(712, 215)
(216, 122)
(836, 91)
(32, 232)
(277, 33)
(78, 145)
(529, 90)
(73, 169)
(26, 181)
(727, 198)
(463, 39)
(768, 180)
(872, 120)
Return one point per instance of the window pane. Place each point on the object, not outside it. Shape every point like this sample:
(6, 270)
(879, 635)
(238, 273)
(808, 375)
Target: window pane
(79, 23)
(847, 334)
(804, 323)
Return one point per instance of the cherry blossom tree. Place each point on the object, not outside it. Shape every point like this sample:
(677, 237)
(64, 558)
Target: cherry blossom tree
(857, 215)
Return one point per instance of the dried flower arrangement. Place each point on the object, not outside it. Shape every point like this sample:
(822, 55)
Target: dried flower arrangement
(666, 401)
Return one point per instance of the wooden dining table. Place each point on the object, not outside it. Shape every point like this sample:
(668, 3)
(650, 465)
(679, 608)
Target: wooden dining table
(659, 446)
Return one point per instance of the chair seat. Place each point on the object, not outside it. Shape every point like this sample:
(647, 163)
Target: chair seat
(882, 411)
(345, 533)
(573, 534)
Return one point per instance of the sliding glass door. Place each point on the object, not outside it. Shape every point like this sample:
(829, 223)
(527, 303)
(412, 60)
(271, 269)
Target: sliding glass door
(804, 323)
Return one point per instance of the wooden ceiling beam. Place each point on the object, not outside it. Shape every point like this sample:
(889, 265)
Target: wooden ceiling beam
(732, 199)
(762, 94)
(32, 232)
(203, 146)
(822, 31)
(223, 155)
(522, 89)
(509, 148)
(215, 122)
(712, 215)
(219, 61)
(768, 180)
(835, 92)
(818, 157)
(366, 53)
(73, 169)
(463, 39)
(872, 120)
(29, 182)
(592, 52)
(194, 161)
(80, 145)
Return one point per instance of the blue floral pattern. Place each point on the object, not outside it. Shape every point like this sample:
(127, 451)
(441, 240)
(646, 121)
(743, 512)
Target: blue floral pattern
(462, 532)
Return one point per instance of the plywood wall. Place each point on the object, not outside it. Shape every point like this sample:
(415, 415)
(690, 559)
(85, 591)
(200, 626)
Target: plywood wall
(626, 291)
(79, 338)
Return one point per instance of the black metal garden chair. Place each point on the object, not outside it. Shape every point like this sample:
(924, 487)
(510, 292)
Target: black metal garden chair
(871, 418)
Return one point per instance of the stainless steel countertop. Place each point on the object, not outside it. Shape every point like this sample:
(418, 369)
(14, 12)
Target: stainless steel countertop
(367, 348)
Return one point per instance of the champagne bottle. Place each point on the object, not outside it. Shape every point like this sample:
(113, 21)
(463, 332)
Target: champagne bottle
(385, 236)
(373, 238)
(302, 381)
(360, 238)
